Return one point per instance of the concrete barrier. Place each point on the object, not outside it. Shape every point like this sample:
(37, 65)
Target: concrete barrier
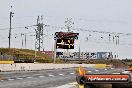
(39, 66)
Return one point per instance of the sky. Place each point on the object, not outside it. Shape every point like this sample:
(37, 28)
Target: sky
(101, 15)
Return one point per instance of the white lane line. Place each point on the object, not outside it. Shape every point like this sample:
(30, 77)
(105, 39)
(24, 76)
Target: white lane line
(1, 80)
(51, 75)
(105, 69)
(96, 70)
(126, 72)
(10, 79)
(89, 71)
(19, 78)
(116, 73)
(29, 77)
(41, 76)
(61, 74)
(72, 73)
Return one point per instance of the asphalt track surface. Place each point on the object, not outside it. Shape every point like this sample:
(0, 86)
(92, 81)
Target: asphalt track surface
(46, 78)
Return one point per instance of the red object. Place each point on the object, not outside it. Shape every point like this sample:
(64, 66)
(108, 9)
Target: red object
(49, 53)
(66, 34)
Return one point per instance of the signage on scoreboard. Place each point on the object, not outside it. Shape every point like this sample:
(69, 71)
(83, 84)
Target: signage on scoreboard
(108, 78)
(65, 44)
(66, 35)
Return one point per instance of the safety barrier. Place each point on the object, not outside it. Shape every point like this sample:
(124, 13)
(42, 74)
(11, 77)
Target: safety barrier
(100, 65)
(38, 66)
(6, 62)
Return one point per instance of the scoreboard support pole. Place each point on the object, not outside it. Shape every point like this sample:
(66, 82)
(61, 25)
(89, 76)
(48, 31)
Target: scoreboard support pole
(55, 51)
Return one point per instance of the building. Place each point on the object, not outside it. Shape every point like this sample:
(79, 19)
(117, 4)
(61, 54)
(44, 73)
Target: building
(85, 55)
(80, 55)
(49, 53)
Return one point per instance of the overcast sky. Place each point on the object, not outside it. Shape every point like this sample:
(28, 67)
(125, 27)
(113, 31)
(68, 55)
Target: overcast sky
(101, 15)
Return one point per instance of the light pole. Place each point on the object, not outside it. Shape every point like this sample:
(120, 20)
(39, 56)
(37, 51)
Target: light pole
(79, 52)
(35, 41)
(35, 46)
(22, 39)
(55, 51)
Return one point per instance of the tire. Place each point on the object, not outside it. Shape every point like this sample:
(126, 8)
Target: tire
(80, 80)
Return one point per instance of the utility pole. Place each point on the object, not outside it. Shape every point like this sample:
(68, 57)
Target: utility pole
(11, 15)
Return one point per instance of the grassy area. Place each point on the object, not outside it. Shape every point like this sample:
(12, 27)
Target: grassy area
(23, 54)
(26, 54)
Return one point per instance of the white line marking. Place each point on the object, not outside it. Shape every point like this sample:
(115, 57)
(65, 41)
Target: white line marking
(116, 73)
(10, 79)
(51, 75)
(41, 76)
(70, 85)
(19, 78)
(125, 72)
(89, 71)
(25, 75)
(105, 69)
(72, 73)
(61, 74)
(96, 70)
(29, 77)
(1, 80)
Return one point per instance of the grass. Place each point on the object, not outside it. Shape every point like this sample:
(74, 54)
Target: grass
(26, 54)
(23, 53)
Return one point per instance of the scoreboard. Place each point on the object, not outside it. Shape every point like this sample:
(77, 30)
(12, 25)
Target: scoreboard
(65, 43)
(66, 35)
(65, 40)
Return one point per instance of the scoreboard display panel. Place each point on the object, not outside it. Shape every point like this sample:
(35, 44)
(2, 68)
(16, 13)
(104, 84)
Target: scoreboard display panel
(66, 35)
(65, 44)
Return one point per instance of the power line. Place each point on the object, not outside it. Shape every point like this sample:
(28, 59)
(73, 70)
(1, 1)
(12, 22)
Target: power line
(87, 30)
(77, 29)
(17, 27)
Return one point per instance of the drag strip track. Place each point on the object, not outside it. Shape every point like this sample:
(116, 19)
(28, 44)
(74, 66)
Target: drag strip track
(45, 78)
(37, 79)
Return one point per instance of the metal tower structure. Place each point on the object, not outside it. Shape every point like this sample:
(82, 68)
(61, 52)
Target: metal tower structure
(39, 34)
(68, 24)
